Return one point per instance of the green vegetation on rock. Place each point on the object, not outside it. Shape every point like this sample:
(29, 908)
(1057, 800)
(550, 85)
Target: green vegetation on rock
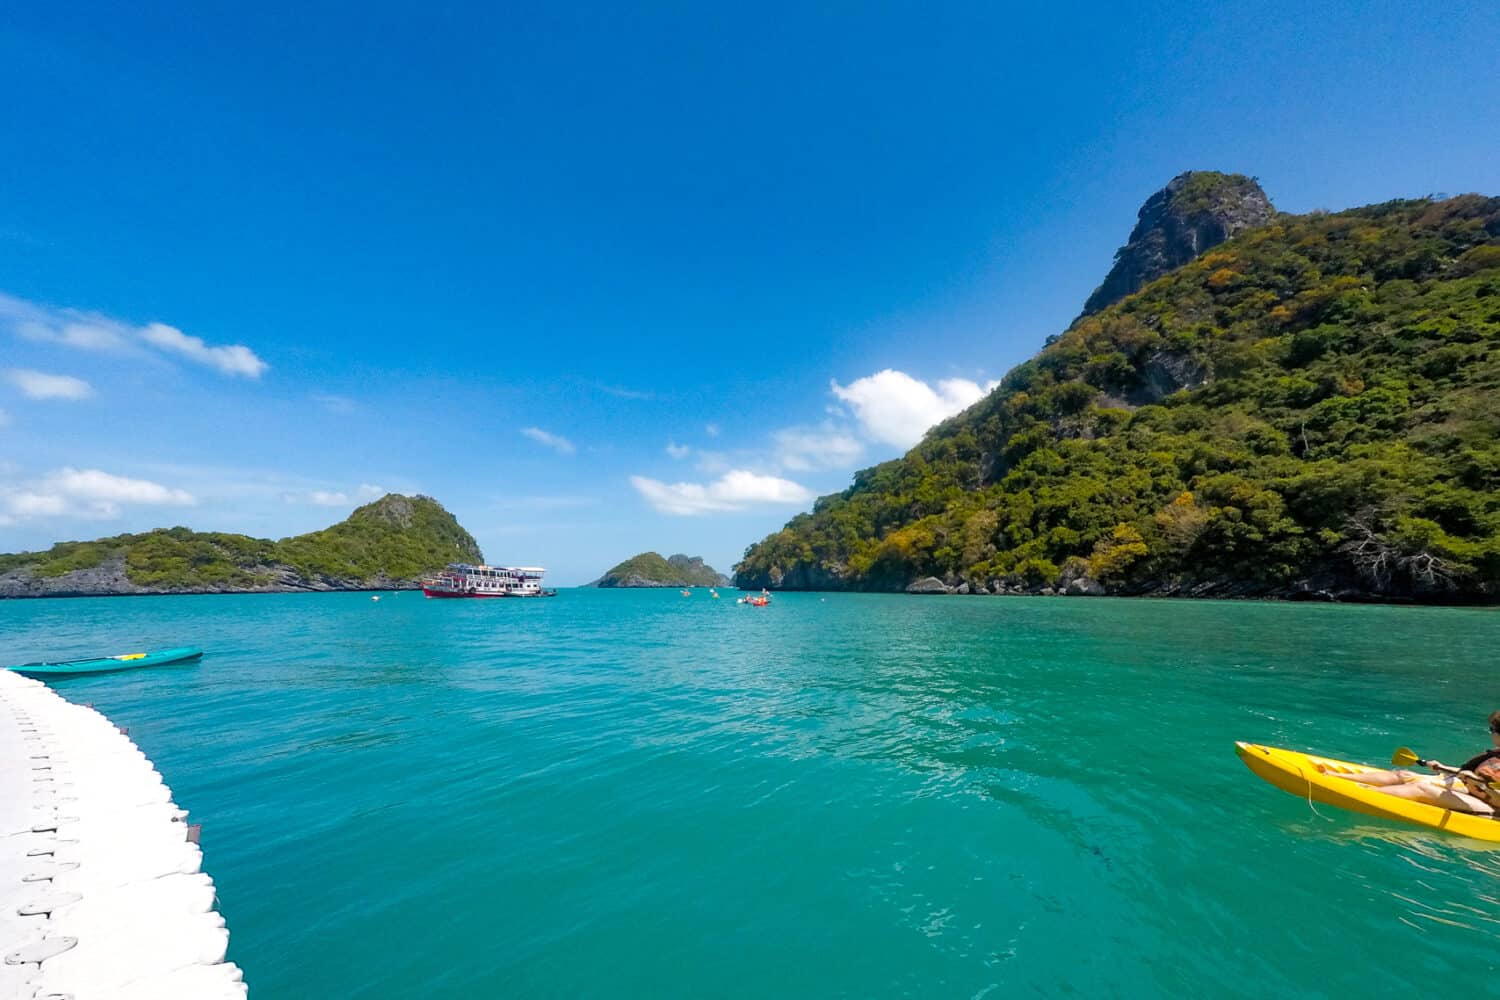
(397, 537)
(649, 569)
(1311, 406)
(64, 557)
(390, 542)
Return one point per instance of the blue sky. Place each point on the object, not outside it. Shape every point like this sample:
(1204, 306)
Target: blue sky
(614, 279)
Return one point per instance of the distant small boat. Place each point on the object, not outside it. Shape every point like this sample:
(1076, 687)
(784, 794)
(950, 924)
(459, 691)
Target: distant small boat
(687, 593)
(375, 598)
(109, 664)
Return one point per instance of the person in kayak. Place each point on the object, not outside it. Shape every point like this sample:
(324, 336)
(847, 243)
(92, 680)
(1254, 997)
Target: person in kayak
(1478, 797)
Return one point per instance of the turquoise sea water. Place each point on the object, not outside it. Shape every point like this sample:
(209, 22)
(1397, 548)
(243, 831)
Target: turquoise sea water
(637, 794)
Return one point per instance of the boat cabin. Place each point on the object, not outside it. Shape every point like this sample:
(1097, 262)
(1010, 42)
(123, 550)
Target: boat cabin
(495, 581)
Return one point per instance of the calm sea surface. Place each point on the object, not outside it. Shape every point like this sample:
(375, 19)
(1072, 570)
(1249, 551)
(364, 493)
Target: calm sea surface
(638, 794)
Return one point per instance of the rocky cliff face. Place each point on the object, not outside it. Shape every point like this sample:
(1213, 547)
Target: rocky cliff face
(397, 511)
(694, 568)
(1196, 211)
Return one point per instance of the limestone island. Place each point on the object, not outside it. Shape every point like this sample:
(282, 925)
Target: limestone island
(649, 569)
(1253, 404)
(389, 544)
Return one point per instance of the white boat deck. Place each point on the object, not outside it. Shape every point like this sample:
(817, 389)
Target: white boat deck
(102, 896)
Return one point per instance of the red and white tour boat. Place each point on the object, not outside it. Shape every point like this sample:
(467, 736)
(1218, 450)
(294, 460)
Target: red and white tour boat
(464, 580)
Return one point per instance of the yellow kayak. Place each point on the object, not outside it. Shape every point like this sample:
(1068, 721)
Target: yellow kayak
(1294, 772)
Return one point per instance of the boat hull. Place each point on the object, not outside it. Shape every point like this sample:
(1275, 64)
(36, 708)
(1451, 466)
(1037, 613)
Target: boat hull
(109, 664)
(449, 594)
(1293, 772)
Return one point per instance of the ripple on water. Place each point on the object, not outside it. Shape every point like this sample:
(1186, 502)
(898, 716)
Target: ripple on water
(632, 793)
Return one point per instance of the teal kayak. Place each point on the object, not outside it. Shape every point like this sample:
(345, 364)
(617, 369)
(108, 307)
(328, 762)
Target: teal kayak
(109, 664)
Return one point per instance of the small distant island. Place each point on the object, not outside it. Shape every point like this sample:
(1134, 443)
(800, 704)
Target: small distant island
(389, 544)
(649, 569)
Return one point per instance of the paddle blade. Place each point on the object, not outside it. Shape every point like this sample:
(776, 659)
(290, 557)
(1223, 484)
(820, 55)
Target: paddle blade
(1404, 756)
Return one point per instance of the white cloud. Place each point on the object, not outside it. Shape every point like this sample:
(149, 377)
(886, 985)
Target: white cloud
(24, 503)
(894, 408)
(39, 385)
(85, 335)
(93, 332)
(233, 359)
(91, 484)
(888, 407)
(86, 493)
(337, 498)
(735, 490)
(87, 331)
(712, 430)
(328, 498)
(556, 442)
(804, 448)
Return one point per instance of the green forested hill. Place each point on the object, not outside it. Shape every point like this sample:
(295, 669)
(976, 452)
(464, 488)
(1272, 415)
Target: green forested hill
(1312, 406)
(389, 543)
(649, 569)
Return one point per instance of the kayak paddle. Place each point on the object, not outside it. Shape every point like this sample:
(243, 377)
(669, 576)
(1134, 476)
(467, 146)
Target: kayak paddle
(1406, 756)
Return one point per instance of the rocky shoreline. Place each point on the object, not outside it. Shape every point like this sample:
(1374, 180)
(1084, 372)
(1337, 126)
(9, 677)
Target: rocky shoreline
(636, 580)
(110, 580)
(1329, 584)
(1325, 590)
